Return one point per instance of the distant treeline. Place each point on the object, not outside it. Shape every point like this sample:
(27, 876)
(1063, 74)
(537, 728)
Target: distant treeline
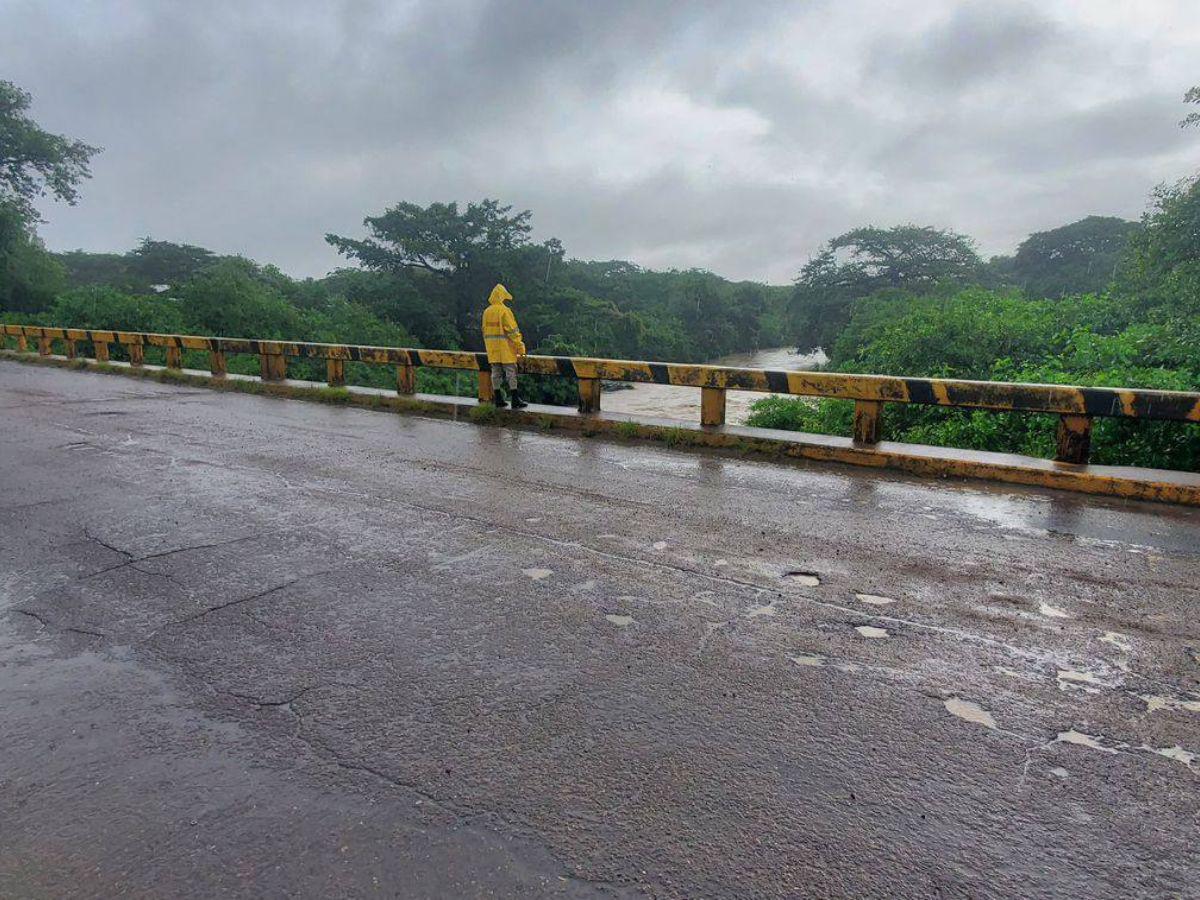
(1098, 301)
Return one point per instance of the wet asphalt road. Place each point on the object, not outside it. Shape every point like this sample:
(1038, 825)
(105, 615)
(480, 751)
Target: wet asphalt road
(258, 647)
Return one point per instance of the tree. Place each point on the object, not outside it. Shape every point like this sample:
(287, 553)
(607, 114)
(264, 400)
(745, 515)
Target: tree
(1192, 118)
(163, 262)
(462, 253)
(860, 262)
(1079, 258)
(34, 162)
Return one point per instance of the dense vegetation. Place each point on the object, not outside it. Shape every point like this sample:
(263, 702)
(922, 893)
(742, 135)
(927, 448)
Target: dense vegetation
(1098, 301)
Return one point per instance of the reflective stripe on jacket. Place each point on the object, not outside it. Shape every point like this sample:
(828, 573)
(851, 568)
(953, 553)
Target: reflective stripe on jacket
(500, 332)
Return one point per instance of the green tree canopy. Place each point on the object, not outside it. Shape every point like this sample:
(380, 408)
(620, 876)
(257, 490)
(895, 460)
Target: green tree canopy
(164, 262)
(860, 262)
(33, 161)
(1079, 258)
(461, 252)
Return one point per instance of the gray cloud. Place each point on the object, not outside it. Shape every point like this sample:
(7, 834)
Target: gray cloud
(732, 136)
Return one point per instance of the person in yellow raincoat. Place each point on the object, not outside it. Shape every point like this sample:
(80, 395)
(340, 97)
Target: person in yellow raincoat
(504, 345)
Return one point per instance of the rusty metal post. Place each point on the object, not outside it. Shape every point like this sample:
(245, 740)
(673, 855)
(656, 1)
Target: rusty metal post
(335, 372)
(868, 419)
(589, 395)
(174, 358)
(712, 406)
(137, 355)
(217, 364)
(1074, 439)
(272, 366)
(406, 379)
(486, 394)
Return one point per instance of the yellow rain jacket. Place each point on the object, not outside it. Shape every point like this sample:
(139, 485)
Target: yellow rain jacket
(500, 333)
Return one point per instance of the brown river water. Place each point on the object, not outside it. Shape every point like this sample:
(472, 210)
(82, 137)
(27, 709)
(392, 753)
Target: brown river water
(683, 403)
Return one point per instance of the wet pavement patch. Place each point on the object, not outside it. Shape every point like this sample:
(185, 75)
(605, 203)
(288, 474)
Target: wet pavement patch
(872, 631)
(537, 574)
(620, 621)
(873, 599)
(969, 711)
(800, 576)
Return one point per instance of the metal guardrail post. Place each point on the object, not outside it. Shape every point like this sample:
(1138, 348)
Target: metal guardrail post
(272, 366)
(44, 346)
(174, 358)
(1074, 439)
(406, 379)
(335, 372)
(22, 344)
(72, 348)
(486, 395)
(101, 350)
(868, 419)
(137, 355)
(217, 363)
(589, 395)
(712, 406)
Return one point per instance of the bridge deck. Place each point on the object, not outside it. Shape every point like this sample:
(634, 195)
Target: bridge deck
(255, 646)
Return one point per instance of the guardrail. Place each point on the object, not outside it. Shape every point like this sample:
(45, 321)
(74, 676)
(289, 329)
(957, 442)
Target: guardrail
(1075, 406)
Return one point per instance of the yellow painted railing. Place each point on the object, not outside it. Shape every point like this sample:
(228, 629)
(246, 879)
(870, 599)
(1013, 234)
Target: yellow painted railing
(1075, 406)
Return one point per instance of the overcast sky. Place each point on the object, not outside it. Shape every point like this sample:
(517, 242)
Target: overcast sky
(733, 136)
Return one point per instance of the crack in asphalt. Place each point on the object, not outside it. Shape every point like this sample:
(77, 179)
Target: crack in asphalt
(131, 562)
(46, 623)
(239, 600)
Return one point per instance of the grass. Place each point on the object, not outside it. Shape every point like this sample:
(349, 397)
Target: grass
(484, 414)
(628, 430)
(546, 423)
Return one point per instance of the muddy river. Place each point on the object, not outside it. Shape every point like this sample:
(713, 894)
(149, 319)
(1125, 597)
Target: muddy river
(684, 402)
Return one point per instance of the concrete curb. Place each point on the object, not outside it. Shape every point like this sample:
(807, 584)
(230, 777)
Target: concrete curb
(1161, 485)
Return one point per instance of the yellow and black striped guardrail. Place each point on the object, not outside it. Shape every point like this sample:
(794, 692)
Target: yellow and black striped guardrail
(1075, 406)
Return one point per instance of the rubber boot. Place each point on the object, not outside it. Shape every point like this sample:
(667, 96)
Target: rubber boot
(517, 402)
(498, 400)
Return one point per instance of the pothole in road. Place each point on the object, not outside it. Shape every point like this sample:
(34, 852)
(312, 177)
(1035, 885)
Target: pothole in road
(970, 711)
(872, 632)
(801, 576)
(873, 599)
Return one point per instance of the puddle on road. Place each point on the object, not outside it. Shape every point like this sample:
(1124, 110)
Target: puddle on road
(1069, 679)
(1060, 772)
(873, 599)
(1118, 640)
(808, 660)
(756, 611)
(537, 574)
(808, 579)
(1079, 739)
(1053, 612)
(871, 631)
(1155, 702)
(970, 711)
(620, 621)
(1176, 753)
